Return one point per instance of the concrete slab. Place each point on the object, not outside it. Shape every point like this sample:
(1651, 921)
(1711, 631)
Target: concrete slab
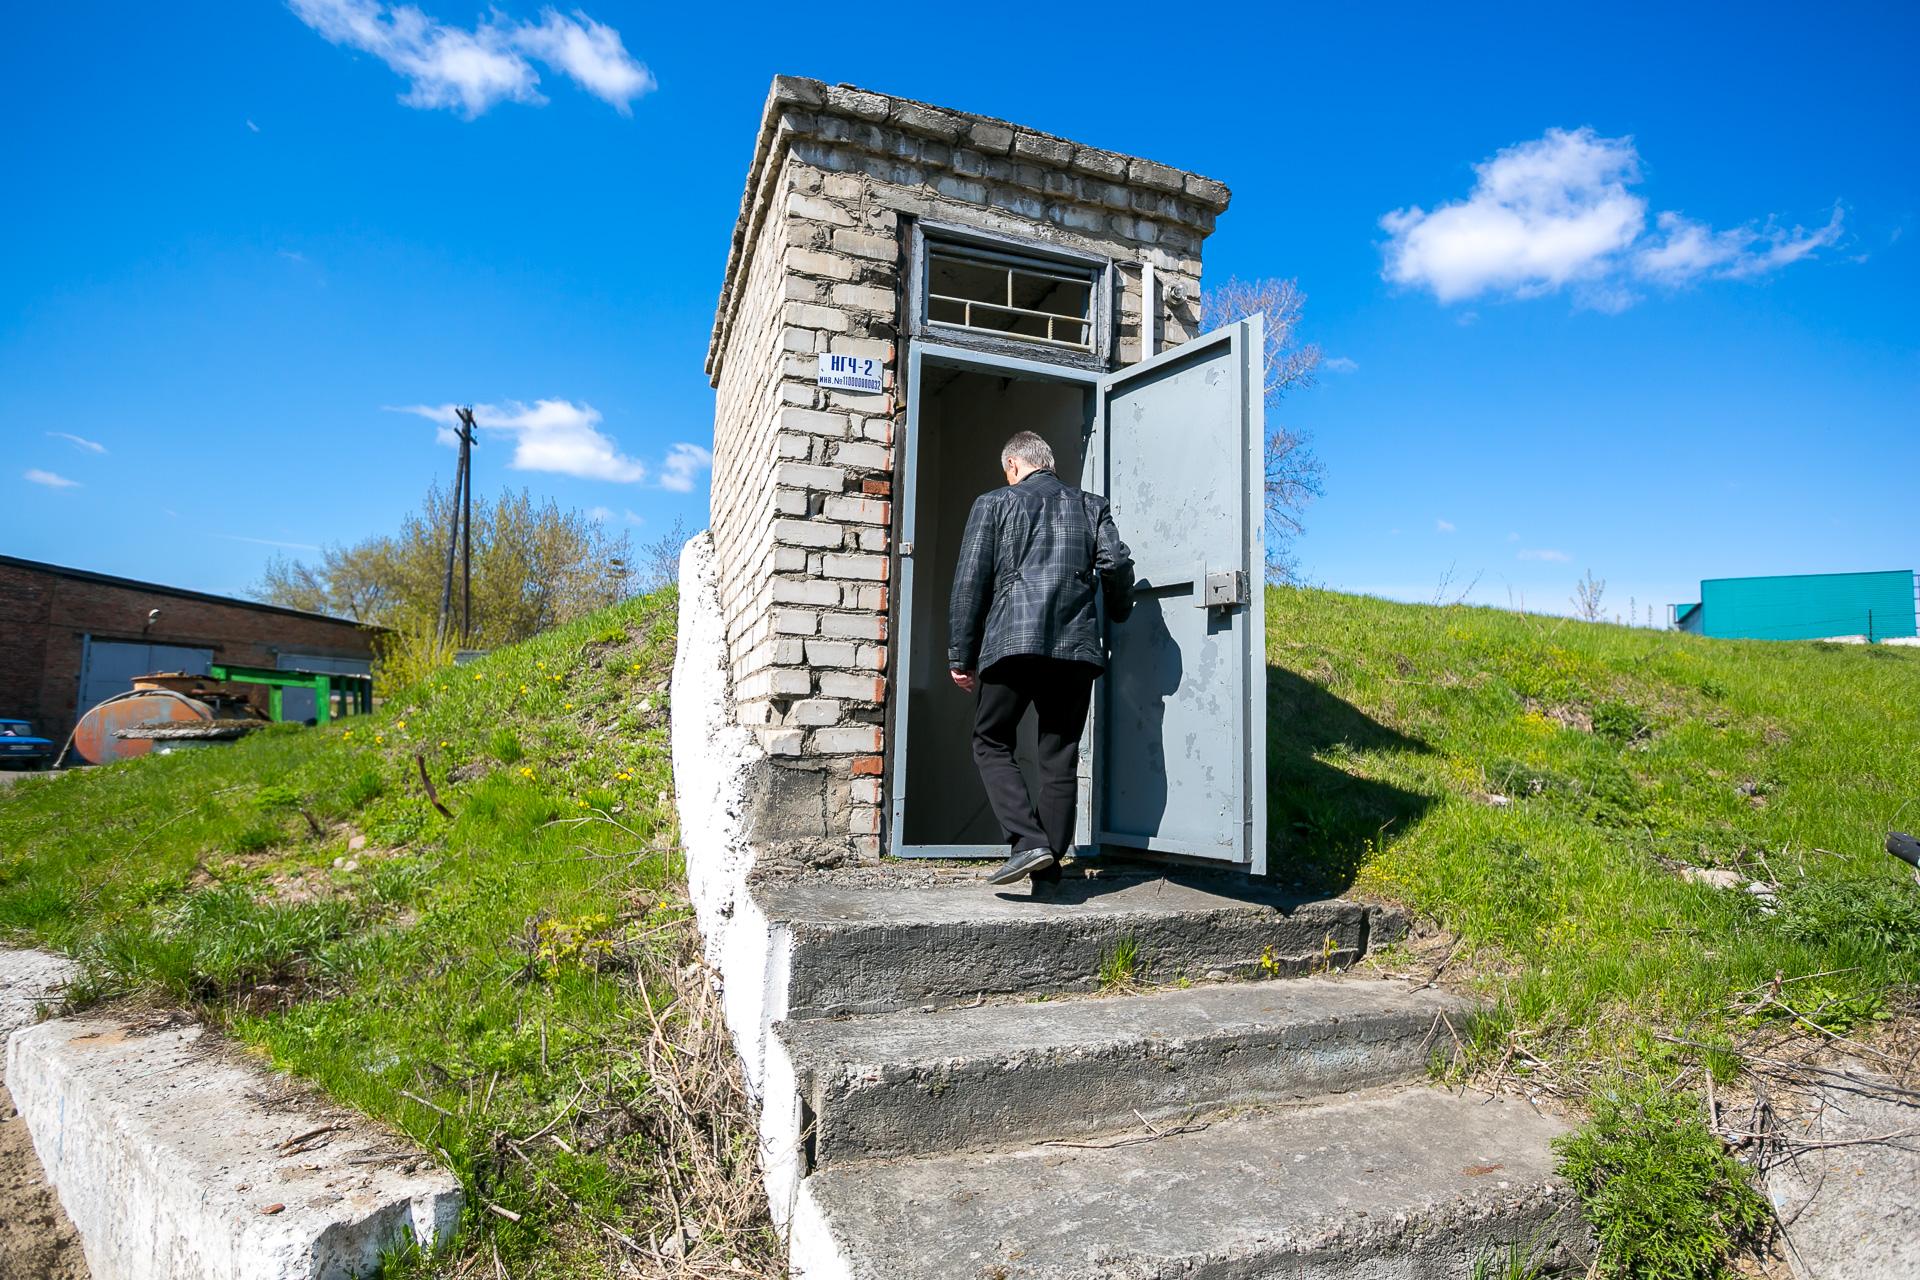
(174, 1159)
(1851, 1210)
(31, 983)
(1418, 1183)
(960, 1079)
(872, 949)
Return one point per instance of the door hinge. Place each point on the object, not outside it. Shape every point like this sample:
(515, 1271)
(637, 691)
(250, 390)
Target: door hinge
(906, 551)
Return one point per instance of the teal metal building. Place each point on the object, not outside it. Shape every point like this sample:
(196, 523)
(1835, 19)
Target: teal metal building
(1808, 606)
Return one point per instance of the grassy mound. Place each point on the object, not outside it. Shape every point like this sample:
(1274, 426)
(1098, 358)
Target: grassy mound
(509, 985)
(1543, 786)
(1583, 808)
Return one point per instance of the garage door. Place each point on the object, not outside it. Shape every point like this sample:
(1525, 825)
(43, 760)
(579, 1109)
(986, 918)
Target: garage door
(108, 667)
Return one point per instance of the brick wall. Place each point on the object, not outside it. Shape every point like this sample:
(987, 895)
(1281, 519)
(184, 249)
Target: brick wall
(45, 613)
(803, 477)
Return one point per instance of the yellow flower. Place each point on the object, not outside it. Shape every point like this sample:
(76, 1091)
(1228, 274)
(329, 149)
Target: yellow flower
(379, 737)
(541, 665)
(445, 743)
(569, 706)
(401, 725)
(581, 803)
(526, 771)
(347, 734)
(524, 689)
(478, 676)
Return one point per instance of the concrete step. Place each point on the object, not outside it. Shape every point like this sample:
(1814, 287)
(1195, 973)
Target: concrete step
(872, 948)
(176, 1158)
(913, 1083)
(1416, 1183)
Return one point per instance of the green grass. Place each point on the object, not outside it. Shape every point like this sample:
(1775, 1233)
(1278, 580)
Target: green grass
(1535, 785)
(464, 980)
(1120, 965)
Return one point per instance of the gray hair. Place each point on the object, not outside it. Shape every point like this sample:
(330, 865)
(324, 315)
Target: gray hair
(1028, 448)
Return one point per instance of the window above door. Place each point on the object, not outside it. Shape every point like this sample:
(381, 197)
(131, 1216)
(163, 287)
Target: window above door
(1011, 296)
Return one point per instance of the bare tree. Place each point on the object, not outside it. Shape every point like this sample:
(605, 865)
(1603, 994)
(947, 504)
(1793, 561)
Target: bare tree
(1586, 597)
(1295, 477)
(660, 559)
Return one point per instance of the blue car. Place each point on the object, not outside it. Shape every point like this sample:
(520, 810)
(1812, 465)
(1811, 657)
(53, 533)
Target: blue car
(20, 749)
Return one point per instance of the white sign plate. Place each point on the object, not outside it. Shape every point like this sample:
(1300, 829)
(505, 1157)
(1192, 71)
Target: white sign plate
(851, 373)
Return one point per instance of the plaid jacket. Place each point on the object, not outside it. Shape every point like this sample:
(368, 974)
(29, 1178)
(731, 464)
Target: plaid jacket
(1025, 581)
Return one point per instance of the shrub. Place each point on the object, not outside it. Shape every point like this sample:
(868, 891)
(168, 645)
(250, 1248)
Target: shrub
(1663, 1197)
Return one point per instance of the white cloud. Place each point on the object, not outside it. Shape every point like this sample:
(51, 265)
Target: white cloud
(1339, 364)
(252, 127)
(1557, 213)
(78, 442)
(1543, 553)
(683, 463)
(1686, 249)
(591, 54)
(550, 435)
(599, 515)
(1443, 526)
(564, 437)
(48, 478)
(472, 70)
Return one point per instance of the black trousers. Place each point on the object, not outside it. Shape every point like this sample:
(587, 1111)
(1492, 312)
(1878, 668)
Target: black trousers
(1060, 692)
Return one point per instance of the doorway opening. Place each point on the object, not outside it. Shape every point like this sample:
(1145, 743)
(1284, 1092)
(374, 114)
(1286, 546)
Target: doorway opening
(961, 417)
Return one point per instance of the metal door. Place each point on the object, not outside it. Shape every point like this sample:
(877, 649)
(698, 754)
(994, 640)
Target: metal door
(297, 706)
(1180, 731)
(108, 667)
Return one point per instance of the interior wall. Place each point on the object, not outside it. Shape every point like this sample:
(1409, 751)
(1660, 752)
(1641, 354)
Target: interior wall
(963, 422)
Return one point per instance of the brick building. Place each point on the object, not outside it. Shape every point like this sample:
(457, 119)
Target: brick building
(69, 638)
(872, 225)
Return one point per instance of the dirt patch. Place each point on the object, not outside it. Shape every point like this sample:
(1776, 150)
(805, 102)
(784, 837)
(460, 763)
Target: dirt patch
(36, 1240)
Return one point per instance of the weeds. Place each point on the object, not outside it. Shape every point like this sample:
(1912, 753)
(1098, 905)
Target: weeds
(1664, 1198)
(1120, 965)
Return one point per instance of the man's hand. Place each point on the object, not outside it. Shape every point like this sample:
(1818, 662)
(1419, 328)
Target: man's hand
(967, 681)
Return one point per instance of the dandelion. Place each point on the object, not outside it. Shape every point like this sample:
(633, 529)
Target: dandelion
(379, 737)
(445, 743)
(526, 771)
(581, 803)
(346, 735)
(541, 665)
(569, 706)
(402, 726)
(524, 689)
(478, 676)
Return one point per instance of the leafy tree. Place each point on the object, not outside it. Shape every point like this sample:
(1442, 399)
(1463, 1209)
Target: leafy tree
(534, 566)
(1294, 474)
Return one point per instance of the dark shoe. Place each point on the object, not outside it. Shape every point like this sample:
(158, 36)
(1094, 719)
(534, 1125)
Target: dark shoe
(1023, 863)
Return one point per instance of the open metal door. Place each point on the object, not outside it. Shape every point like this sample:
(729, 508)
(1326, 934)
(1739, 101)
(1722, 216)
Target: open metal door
(1180, 753)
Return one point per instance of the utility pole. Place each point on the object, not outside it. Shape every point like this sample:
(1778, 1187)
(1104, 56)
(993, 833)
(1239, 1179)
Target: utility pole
(467, 442)
(462, 521)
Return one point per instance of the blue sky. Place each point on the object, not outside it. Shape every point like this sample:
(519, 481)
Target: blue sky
(1626, 290)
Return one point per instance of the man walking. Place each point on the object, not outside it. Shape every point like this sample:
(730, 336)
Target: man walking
(1023, 628)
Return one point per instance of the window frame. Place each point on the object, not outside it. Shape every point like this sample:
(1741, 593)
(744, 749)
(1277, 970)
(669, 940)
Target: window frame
(1098, 269)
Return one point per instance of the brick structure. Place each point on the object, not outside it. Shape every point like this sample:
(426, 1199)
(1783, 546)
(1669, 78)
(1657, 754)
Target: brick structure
(802, 519)
(49, 613)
